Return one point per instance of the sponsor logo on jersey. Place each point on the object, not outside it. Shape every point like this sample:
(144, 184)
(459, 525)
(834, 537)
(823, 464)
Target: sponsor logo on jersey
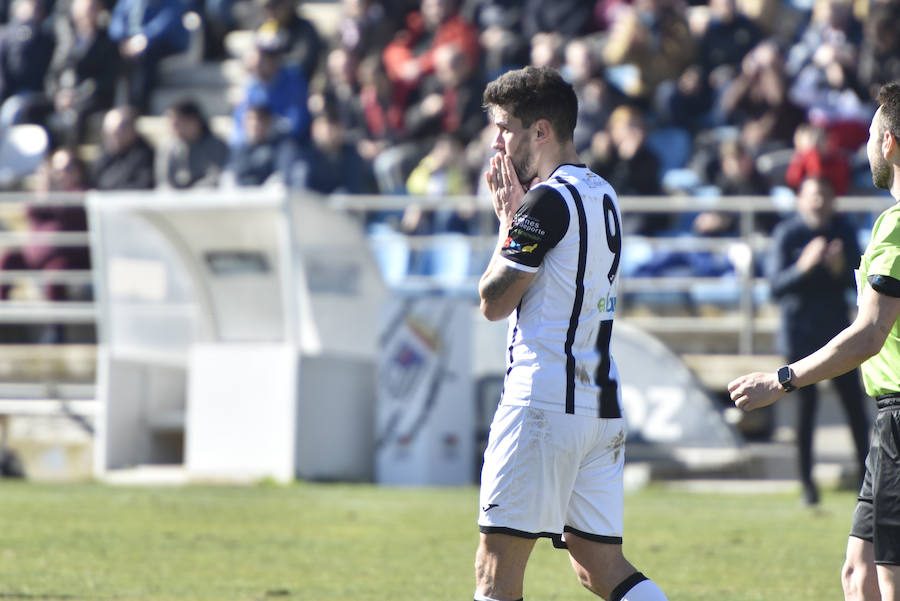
(592, 180)
(511, 244)
(528, 224)
(608, 303)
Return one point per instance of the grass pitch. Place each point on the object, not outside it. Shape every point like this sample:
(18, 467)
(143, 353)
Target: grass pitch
(365, 543)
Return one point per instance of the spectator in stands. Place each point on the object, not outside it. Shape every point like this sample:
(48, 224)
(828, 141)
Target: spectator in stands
(728, 37)
(365, 27)
(194, 156)
(126, 162)
(299, 41)
(265, 155)
(450, 101)
(283, 88)
(810, 273)
(331, 163)
(382, 110)
(733, 173)
(26, 49)
(568, 18)
(813, 158)
(63, 171)
(442, 172)
(504, 45)
(596, 98)
(832, 24)
(437, 47)
(775, 18)
(757, 101)
(409, 57)
(217, 19)
(826, 89)
(547, 50)
(146, 31)
(83, 75)
(686, 102)
(621, 156)
(339, 91)
(653, 37)
(879, 53)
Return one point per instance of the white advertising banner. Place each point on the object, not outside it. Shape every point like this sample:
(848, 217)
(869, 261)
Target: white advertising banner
(425, 423)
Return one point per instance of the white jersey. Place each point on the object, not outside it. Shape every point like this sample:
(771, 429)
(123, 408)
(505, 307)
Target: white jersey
(568, 231)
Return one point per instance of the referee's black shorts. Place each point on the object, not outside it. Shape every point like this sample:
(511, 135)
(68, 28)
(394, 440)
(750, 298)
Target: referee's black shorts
(877, 515)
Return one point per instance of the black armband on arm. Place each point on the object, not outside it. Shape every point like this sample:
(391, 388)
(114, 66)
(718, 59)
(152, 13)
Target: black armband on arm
(885, 284)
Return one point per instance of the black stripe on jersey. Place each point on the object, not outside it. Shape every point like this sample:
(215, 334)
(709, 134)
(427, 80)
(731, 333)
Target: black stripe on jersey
(609, 388)
(579, 294)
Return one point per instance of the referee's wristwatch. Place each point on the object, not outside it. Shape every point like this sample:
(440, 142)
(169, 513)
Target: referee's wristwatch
(785, 375)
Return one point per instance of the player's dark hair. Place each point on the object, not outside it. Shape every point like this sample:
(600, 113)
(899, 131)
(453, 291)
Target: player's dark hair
(535, 93)
(889, 99)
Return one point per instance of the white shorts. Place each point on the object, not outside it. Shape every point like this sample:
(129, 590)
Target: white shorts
(547, 472)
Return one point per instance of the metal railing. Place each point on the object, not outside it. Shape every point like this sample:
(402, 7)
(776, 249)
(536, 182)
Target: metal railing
(741, 249)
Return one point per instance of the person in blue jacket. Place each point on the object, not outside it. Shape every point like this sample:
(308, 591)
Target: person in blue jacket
(146, 31)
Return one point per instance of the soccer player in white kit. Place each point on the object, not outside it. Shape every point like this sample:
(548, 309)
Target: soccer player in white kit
(554, 460)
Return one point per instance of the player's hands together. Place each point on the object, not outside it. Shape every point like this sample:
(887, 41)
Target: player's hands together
(506, 191)
(755, 390)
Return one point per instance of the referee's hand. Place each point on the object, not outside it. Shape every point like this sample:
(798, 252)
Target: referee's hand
(755, 390)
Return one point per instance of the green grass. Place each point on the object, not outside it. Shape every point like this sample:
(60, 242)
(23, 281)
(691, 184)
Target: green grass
(364, 543)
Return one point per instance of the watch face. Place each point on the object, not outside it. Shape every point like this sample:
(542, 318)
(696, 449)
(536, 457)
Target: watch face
(784, 378)
(784, 374)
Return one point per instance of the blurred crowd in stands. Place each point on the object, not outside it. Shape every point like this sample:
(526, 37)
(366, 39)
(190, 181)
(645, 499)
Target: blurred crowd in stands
(725, 97)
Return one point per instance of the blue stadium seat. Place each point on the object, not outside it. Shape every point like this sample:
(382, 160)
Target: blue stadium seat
(391, 253)
(673, 146)
(448, 259)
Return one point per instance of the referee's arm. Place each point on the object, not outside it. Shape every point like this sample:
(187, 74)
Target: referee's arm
(879, 309)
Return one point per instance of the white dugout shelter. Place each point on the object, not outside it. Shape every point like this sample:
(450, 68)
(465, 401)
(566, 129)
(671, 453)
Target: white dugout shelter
(238, 334)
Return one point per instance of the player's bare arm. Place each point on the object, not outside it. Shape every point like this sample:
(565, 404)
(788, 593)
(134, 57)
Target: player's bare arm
(849, 349)
(501, 287)
(501, 290)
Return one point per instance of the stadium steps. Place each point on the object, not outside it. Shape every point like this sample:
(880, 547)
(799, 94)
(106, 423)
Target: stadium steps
(28, 368)
(210, 74)
(715, 371)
